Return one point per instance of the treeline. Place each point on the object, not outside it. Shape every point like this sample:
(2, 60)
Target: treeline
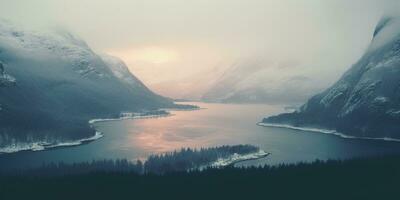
(153, 112)
(182, 160)
(367, 178)
(63, 169)
(190, 159)
(143, 113)
(186, 107)
(22, 137)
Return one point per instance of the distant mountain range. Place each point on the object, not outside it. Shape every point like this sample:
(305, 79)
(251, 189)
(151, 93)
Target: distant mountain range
(257, 81)
(52, 83)
(365, 102)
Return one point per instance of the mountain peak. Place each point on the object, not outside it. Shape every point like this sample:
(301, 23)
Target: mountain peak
(384, 21)
(365, 102)
(386, 31)
(61, 83)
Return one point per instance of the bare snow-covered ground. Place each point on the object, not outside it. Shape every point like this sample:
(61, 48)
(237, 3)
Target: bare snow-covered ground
(235, 158)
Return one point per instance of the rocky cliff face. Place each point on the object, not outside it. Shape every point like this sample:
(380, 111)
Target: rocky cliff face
(52, 83)
(365, 102)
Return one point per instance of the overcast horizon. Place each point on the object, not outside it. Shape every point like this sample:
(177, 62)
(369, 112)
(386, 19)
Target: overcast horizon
(178, 47)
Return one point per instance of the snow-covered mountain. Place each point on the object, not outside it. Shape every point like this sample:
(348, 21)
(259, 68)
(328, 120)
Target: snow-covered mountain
(121, 71)
(260, 81)
(52, 83)
(365, 102)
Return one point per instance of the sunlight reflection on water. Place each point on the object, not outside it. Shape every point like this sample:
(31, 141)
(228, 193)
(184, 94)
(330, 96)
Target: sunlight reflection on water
(218, 124)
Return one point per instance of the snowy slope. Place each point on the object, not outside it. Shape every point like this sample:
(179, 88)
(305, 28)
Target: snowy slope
(366, 100)
(121, 71)
(259, 81)
(57, 42)
(58, 84)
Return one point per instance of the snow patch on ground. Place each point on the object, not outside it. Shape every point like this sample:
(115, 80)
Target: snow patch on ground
(380, 100)
(235, 158)
(325, 131)
(394, 113)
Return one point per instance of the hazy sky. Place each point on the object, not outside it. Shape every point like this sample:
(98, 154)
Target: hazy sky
(167, 43)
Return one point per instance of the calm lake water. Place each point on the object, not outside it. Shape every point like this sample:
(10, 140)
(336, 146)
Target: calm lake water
(216, 124)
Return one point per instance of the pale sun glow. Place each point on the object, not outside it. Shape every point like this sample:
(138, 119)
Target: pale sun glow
(154, 55)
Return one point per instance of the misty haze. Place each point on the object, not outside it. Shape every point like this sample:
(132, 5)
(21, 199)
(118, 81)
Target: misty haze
(211, 99)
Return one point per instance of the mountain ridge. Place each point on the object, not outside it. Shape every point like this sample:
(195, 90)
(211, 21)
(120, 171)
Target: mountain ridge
(257, 81)
(58, 84)
(365, 101)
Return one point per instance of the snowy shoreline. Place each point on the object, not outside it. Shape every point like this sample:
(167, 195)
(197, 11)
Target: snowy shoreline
(92, 121)
(40, 146)
(325, 131)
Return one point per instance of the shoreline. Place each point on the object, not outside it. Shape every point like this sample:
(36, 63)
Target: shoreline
(325, 131)
(41, 146)
(182, 109)
(93, 121)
